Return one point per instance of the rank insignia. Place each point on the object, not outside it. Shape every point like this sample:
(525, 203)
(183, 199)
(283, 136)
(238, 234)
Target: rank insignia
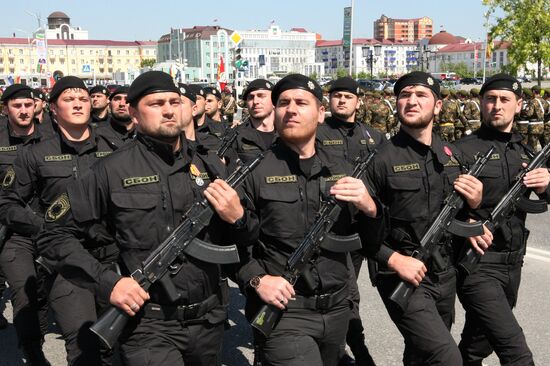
(58, 208)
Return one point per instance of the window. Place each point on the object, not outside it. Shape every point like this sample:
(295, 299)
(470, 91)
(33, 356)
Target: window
(82, 52)
(118, 52)
(73, 62)
(127, 52)
(21, 61)
(20, 52)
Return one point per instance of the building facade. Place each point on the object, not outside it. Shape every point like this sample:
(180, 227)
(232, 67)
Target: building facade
(410, 30)
(59, 27)
(389, 58)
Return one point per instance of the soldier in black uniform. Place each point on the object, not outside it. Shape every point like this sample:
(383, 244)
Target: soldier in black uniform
(141, 192)
(412, 174)
(257, 134)
(18, 130)
(100, 104)
(41, 173)
(213, 104)
(203, 123)
(120, 128)
(342, 135)
(490, 291)
(285, 193)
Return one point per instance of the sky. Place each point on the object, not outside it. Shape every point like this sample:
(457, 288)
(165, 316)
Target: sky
(149, 19)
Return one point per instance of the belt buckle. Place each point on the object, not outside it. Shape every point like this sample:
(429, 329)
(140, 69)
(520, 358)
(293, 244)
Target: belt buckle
(322, 302)
(190, 311)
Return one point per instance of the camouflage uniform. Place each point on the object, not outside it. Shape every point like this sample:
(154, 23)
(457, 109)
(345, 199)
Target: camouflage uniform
(459, 122)
(447, 116)
(244, 110)
(391, 103)
(361, 113)
(522, 120)
(535, 115)
(379, 116)
(547, 117)
(326, 103)
(472, 112)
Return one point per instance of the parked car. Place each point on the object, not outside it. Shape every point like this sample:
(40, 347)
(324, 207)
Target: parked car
(468, 81)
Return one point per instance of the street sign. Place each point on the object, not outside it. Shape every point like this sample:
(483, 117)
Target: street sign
(235, 38)
(86, 68)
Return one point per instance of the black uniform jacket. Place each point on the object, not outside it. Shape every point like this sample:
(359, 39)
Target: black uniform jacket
(250, 142)
(497, 178)
(347, 139)
(115, 133)
(284, 201)
(141, 192)
(411, 180)
(42, 172)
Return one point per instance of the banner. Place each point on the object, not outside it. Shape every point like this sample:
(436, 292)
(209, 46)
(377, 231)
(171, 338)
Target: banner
(222, 79)
(41, 52)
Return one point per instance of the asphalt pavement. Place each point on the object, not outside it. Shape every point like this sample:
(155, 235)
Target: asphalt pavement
(384, 341)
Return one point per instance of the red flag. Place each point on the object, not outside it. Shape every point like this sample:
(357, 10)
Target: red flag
(222, 79)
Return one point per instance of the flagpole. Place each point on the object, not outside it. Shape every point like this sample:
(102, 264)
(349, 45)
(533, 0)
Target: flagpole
(351, 42)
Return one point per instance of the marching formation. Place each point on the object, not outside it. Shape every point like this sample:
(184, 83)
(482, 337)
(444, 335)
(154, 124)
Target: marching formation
(124, 213)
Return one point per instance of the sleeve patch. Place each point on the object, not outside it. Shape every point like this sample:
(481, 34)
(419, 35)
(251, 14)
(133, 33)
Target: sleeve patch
(58, 209)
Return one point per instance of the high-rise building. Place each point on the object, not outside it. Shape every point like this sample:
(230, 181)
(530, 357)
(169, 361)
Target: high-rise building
(410, 30)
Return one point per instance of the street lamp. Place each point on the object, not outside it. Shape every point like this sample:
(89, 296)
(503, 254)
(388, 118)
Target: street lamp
(370, 55)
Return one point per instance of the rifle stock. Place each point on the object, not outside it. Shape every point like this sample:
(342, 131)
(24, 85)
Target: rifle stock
(160, 262)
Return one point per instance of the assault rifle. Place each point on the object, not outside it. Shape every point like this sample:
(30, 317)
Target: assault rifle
(444, 222)
(228, 139)
(166, 259)
(514, 199)
(316, 238)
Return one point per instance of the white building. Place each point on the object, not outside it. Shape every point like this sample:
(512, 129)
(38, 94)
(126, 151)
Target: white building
(59, 27)
(388, 57)
(274, 52)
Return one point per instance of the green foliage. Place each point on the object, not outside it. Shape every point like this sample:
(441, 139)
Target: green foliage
(526, 24)
(340, 73)
(363, 75)
(461, 69)
(147, 62)
(313, 76)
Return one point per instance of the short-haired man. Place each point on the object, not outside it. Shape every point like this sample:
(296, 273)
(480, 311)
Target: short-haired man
(100, 103)
(257, 133)
(120, 128)
(141, 192)
(341, 134)
(41, 173)
(490, 291)
(285, 193)
(203, 123)
(213, 104)
(411, 175)
(18, 130)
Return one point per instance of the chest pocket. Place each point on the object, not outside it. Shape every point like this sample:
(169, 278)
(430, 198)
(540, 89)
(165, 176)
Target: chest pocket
(135, 218)
(407, 202)
(60, 171)
(7, 158)
(280, 210)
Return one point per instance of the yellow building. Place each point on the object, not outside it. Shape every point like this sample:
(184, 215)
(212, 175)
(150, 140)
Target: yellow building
(88, 59)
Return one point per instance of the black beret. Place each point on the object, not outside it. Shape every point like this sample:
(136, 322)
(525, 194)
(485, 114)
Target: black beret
(258, 84)
(197, 90)
(187, 92)
(501, 82)
(296, 81)
(210, 90)
(346, 84)
(17, 91)
(119, 90)
(151, 82)
(417, 78)
(39, 94)
(99, 89)
(66, 82)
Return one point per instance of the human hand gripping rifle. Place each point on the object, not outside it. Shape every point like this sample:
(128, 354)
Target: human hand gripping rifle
(514, 199)
(316, 238)
(167, 258)
(444, 222)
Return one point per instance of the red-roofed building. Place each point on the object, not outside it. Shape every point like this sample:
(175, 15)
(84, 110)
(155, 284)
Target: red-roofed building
(389, 57)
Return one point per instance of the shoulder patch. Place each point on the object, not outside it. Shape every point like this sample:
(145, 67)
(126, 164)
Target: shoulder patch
(495, 157)
(136, 181)
(370, 141)
(524, 156)
(452, 162)
(102, 154)
(9, 178)
(65, 157)
(8, 148)
(281, 179)
(249, 147)
(333, 142)
(334, 178)
(57, 209)
(406, 167)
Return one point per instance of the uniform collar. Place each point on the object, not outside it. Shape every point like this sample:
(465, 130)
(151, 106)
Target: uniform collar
(119, 127)
(16, 140)
(165, 150)
(87, 145)
(437, 147)
(489, 132)
(338, 123)
(323, 164)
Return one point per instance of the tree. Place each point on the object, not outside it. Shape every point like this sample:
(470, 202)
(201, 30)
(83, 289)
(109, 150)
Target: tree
(313, 76)
(526, 24)
(147, 62)
(362, 75)
(340, 73)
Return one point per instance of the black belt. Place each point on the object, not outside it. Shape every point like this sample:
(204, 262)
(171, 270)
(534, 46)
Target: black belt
(181, 312)
(103, 252)
(503, 257)
(322, 302)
